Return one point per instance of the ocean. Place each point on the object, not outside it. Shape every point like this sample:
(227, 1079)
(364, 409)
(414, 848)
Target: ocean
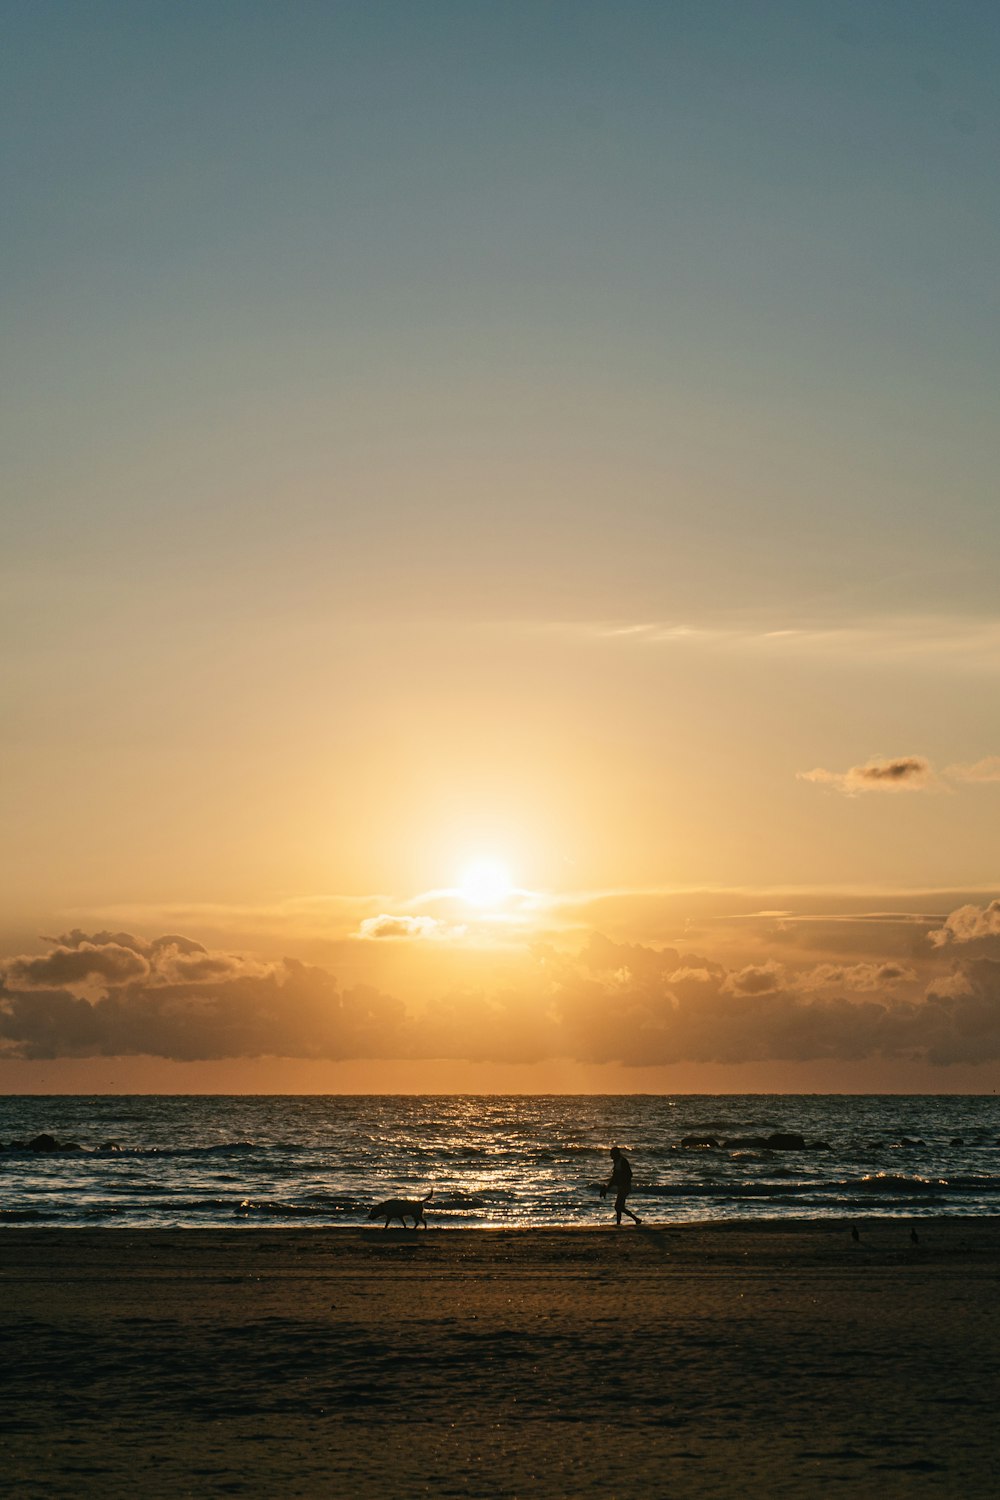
(154, 1161)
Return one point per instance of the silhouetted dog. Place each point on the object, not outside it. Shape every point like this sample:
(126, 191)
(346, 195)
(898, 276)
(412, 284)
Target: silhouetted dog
(401, 1209)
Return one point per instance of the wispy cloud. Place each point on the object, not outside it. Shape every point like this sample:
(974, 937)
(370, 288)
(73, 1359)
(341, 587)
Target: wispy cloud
(903, 773)
(987, 769)
(972, 642)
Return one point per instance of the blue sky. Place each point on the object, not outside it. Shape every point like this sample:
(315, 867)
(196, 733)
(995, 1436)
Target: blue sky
(713, 279)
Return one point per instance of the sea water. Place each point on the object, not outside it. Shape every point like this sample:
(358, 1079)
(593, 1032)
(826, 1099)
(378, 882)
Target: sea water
(170, 1161)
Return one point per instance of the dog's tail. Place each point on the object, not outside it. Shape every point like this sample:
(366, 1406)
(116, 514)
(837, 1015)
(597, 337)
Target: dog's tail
(430, 1195)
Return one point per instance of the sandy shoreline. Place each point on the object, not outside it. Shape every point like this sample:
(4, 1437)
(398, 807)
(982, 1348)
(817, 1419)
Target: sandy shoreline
(768, 1359)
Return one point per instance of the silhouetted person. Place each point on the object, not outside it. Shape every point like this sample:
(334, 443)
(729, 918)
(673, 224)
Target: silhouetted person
(855, 1236)
(621, 1181)
(914, 1237)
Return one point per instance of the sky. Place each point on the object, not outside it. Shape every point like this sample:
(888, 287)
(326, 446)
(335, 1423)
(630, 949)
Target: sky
(553, 439)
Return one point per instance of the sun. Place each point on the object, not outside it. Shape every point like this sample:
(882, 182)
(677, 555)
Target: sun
(486, 882)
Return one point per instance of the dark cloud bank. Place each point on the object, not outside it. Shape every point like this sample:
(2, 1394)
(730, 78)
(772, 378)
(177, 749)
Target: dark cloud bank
(113, 994)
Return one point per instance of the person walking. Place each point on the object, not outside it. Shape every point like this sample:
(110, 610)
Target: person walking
(621, 1181)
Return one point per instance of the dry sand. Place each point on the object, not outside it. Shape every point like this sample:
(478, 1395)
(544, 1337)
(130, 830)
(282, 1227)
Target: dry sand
(769, 1360)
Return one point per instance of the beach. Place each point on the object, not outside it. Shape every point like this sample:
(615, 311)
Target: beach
(774, 1359)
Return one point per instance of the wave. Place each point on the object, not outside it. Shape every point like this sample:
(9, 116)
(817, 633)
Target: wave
(887, 1182)
(169, 1153)
(175, 1207)
(335, 1200)
(717, 1142)
(877, 1182)
(462, 1200)
(275, 1209)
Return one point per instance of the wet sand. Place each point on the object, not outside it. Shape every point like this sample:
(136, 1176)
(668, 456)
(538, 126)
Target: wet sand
(773, 1360)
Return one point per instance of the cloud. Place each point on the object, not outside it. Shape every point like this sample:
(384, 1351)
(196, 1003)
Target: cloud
(603, 1001)
(858, 977)
(870, 936)
(639, 962)
(110, 963)
(950, 986)
(969, 924)
(689, 983)
(148, 947)
(755, 979)
(741, 1020)
(963, 1015)
(987, 769)
(172, 966)
(386, 926)
(904, 773)
(219, 1006)
(105, 960)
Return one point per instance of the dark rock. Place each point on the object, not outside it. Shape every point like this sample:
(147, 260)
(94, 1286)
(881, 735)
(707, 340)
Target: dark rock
(820, 1146)
(957, 1141)
(111, 1145)
(780, 1141)
(690, 1141)
(43, 1142)
(785, 1141)
(907, 1141)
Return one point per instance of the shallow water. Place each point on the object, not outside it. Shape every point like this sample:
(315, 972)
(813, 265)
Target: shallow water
(492, 1161)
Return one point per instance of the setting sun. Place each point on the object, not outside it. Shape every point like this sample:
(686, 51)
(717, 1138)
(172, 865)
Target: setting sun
(486, 882)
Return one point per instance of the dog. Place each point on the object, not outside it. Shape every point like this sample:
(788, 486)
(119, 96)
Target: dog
(401, 1209)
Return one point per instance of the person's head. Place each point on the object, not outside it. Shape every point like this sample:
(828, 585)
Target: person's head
(615, 1153)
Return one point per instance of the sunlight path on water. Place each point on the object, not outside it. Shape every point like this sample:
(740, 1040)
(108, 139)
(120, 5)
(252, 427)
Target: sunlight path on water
(494, 1161)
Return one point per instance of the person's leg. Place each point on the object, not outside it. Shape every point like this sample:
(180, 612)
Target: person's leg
(620, 1208)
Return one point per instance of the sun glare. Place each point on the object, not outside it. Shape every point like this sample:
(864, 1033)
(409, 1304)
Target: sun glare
(486, 882)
